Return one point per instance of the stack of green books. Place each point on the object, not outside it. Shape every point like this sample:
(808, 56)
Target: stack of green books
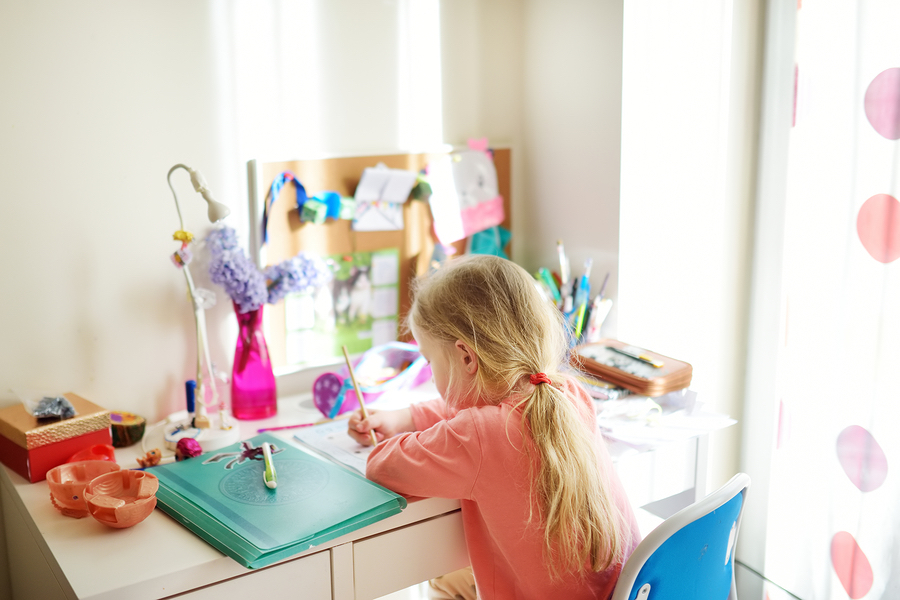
(222, 497)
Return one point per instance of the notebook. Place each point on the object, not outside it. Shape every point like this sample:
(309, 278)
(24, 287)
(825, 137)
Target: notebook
(221, 497)
(331, 440)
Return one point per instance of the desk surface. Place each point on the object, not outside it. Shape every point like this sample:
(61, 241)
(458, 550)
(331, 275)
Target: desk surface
(61, 557)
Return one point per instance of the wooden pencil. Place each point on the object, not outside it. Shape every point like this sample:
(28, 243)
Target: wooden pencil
(359, 396)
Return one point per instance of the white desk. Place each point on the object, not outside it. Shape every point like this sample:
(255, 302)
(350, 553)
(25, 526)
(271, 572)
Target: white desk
(56, 557)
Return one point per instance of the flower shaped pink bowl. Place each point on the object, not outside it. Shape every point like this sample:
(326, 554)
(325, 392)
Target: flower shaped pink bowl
(122, 498)
(67, 483)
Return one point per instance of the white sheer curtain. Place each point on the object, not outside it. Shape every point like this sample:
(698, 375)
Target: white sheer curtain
(832, 490)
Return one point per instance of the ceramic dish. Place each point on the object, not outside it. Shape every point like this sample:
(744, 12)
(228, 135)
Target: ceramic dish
(67, 483)
(122, 498)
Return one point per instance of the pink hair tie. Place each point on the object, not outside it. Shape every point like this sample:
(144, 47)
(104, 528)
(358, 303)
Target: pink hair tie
(539, 378)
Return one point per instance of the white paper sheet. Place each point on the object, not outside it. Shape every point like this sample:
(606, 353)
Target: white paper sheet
(377, 215)
(384, 184)
(332, 440)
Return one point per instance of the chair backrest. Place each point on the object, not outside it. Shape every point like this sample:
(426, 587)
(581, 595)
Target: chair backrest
(690, 555)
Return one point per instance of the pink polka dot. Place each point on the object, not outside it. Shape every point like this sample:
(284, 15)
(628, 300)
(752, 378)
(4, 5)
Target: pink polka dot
(878, 227)
(862, 459)
(850, 565)
(784, 426)
(882, 103)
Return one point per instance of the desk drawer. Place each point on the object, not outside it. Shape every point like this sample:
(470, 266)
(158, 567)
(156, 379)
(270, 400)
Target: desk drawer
(305, 578)
(399, 559)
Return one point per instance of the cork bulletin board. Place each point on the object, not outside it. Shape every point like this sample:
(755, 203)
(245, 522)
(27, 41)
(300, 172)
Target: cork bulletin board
(288, 235)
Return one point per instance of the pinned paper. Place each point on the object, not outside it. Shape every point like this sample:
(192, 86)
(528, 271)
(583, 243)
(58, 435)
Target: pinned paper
(465, 197)
(378, 216)
(379, 198)
(384, 184)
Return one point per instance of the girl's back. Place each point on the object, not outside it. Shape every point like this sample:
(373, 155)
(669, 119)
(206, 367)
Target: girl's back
(516, 440)
(477, 455)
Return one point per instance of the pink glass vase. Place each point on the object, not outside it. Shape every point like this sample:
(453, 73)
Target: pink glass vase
(252, 380)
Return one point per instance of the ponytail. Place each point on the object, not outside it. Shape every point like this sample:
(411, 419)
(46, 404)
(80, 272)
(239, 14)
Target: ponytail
(581, 523)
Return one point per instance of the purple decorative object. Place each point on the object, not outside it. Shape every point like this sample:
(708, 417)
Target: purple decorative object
(252, 380)
(328, 391)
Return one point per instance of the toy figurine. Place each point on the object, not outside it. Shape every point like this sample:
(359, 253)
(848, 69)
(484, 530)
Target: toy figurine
(151, 459)
(187, 448)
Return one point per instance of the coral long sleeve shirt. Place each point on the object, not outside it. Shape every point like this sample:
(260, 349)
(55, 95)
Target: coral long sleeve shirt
(476, 455)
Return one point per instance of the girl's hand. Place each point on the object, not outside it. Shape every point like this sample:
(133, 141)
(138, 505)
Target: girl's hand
(385, 424)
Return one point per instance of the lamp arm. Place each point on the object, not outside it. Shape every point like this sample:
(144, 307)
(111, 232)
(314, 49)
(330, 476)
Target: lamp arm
(190, 284)
(174, 195)
(202, 345)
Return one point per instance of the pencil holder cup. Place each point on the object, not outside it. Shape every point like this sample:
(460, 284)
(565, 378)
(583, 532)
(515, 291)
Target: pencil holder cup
(122, 498)
(67, 483)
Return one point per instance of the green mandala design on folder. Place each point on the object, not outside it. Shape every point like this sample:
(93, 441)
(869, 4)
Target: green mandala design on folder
(297, 480)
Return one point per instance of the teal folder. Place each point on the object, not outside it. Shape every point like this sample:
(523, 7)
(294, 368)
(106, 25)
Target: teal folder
(221, 496)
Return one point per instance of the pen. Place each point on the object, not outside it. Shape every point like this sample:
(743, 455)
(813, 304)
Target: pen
(638, 356)
(579, 321)
(603, 287)
(269, 474)
(581, 297)
(563, 263)
(359, 396)
(545, 276)
(280, 427)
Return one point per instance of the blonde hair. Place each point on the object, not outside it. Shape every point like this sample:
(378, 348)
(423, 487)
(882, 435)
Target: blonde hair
(493, 306)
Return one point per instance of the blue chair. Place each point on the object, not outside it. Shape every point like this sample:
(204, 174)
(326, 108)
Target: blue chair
(690, 555)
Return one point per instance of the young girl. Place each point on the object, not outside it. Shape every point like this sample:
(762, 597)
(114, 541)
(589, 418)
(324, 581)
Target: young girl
(513, 439)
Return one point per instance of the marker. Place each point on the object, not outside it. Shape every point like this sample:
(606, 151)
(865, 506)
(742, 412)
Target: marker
(563, 263)
(359, 396)
(269, 474)
(545, 276)
(603, 287)
(190, 387)
(632, 352)
(581, 298)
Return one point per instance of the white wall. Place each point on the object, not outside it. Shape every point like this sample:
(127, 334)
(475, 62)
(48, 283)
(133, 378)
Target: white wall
(573, 105)
(99, 101)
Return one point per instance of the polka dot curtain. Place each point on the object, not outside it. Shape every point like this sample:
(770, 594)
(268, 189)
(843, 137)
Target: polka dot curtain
(833, 526)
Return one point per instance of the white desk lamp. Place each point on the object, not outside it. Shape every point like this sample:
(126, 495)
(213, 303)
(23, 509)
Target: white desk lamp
(210, 438)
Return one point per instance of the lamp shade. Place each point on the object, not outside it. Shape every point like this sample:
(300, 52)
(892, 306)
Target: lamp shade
(217, 210)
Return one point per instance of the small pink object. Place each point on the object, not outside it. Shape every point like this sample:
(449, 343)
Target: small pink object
(187, 448)
(95, 452)
(67, 483)
(122, 498)
(480, 144)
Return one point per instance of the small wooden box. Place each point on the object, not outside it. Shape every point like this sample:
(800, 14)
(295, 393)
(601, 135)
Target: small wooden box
(31, 448)
(604, 360)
